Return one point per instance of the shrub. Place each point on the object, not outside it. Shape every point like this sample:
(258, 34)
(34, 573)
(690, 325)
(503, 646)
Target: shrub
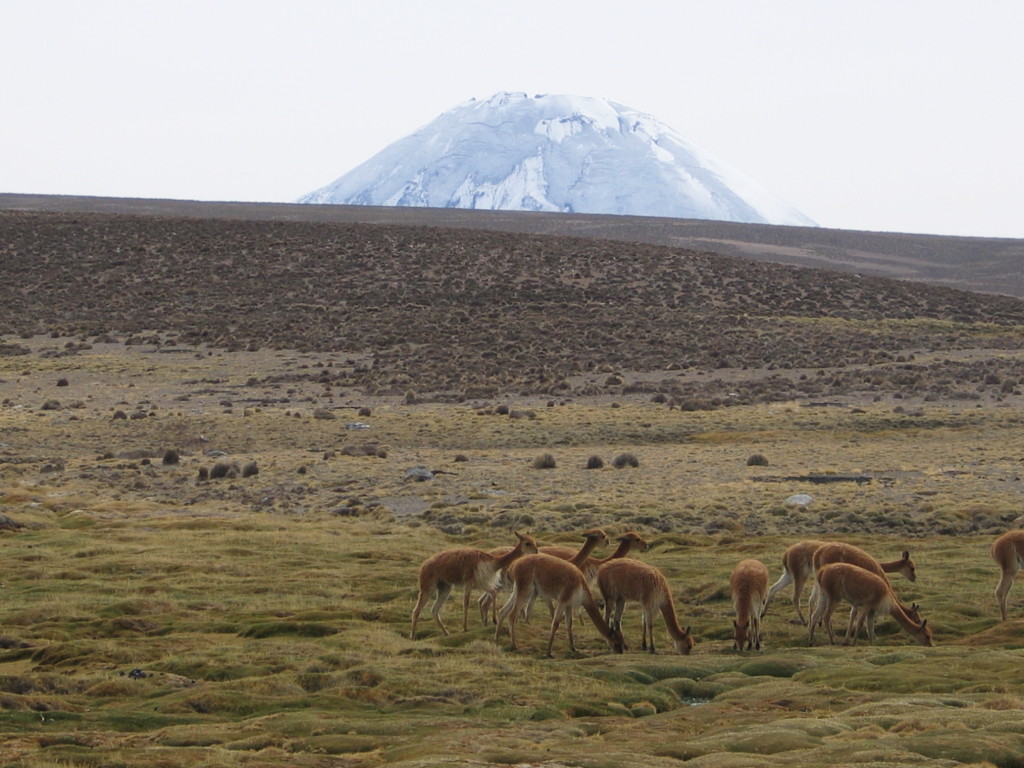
(625, 460)
(224, 469)
(757, 460)
(365, 449)
(171, 457)
(544, 461)
(595, 462)
(250, 469)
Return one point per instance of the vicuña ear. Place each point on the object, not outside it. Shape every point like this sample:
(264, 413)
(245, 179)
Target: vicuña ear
(906, 554)
(687, 630)
(924, 623)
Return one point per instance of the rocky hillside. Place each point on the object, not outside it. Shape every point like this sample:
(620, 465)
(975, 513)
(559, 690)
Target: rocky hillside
(455, 314)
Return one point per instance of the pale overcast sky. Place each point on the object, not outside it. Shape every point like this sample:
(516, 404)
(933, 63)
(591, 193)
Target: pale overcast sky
(896, 115)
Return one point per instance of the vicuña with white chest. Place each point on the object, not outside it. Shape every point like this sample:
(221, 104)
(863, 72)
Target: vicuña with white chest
(466, 567)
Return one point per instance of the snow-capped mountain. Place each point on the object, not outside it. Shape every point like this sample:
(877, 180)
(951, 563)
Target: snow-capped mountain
(556, 153)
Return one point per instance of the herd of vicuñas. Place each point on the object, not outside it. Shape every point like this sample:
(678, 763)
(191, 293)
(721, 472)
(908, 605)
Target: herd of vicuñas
(568, 579)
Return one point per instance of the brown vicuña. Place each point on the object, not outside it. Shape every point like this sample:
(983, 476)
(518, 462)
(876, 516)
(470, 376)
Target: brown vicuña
(749, 587)
(563, 583)
(797, 569)
(801, 561)
(467, 567)
(622, 580)
(592, 539)
(838, 552)
(869, 594)
(629, 541)
(589, 565)
(1008, 552)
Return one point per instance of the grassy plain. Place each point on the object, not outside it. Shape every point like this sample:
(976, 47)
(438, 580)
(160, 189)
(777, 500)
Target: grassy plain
(150, 618)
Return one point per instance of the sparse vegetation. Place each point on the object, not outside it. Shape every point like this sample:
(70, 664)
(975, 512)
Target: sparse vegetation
(544, 461)
(153, 616)
(627, 459)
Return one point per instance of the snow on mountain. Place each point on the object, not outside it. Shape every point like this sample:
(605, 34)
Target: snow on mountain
(556, 153)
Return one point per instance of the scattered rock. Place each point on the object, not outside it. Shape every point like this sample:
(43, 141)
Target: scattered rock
(799, 499)
(323, 413)
(419, 474)
(9, 524)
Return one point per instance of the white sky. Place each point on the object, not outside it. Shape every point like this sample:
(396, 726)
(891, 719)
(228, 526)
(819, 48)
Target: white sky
(896, 115)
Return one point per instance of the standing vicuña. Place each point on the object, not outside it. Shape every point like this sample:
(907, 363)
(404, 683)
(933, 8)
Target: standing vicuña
(749, 585)
(562, 583)
(797, 569)
(622, 580)
(799, 566)
(836, 552)
(1008, 552)
(467, 567)
(869, 594)
(593, 538)
(627, 542)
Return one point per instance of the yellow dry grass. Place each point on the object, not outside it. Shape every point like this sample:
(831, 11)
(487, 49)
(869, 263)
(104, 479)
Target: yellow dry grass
(151, 619)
